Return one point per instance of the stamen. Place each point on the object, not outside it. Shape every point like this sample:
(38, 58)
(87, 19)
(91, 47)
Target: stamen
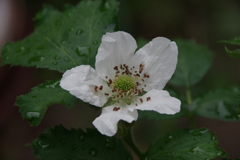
(106, 77)
(146, 75)
(101, 87)
(141, 100)
(95, 88)
(115, 109)
(106, 94)
(115, 68)
(148, 98)
(141, 67)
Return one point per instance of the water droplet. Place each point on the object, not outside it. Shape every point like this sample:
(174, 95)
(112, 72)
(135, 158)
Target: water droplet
(109, 143)
(85, 146)
(58, 22)
(82, 51)
(63, 42)
(79, 31)
(167, 139)
(62, 141)
(105, 6)
(54, 63)
(95, 42)
(36, 59)
(20, 49)
(44, 145)
(33, 114)
(74, 147)
(82, 138)
(56, 57)
(71, 29)
(199, 132)
(93, 151)
(66, 59)
(195, 150)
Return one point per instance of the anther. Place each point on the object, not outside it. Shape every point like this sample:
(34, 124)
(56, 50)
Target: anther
(96, 88)
(110, 81)
(106, 94)
(115, 68)
(145, 75)
(106, 77)
(148, 98)
(141, 67)
(141, 100)
(101, 87)
(136, 104)
(115, 109)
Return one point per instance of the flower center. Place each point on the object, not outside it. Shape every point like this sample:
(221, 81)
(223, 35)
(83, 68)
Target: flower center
(124, 83)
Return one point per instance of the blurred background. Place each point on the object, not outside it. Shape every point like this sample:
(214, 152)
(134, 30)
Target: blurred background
(207, 22)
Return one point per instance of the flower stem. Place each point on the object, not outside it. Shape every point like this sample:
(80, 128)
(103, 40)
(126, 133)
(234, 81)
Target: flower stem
(189, 102)
(129, 139)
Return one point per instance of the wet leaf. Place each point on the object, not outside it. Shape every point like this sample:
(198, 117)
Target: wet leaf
(63, 40)
(34, 104)
(185, 144)
(59, 143)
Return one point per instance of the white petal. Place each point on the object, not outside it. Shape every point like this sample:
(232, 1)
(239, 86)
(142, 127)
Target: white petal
(107, 122)
(80, 82)
(116, 48)
(160, 101)
(160, 59)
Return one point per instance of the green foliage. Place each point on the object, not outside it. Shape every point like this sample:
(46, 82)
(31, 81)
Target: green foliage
(194, 61)
(233, 53)
(63, 40)
(185, 145)
(34, 104)
(59, 143)
(219, 104)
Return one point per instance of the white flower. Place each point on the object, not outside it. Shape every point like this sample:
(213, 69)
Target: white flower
(123, 77)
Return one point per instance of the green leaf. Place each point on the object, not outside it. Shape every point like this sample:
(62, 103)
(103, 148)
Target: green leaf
(185, 145)
(34, 104)
(233, 53)
(194, 60)
(219, 104)
(63, 40)
(59, 143)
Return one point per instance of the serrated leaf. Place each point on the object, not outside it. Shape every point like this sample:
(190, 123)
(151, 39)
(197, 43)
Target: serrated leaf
(59, 143)
(219, 104)
(194, 60)
(233, 53)
(235, 41)
(63, 40)
(34, 104)
(185, 145)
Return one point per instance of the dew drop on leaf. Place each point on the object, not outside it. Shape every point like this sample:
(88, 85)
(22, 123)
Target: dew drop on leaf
(93, 151)
(79, 31)
(199, 132)
(66, 59)
(54, 63)
(167, 139)
(63, 42)
(44, 145)
(82, 138)
(74, 147)
(110, 144)
(95, 42)
(57, 57)
(85, 146)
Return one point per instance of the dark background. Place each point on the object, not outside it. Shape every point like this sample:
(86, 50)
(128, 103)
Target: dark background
(205, 21)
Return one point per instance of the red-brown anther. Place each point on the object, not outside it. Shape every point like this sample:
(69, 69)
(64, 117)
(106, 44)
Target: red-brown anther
(106, 94)
(143, 80)
(110, 81)
(121, 66)
(95, 88)
(145, 75)
(117, 72)
(137, 75)
(137, 83)
(148, 98)
(115, 109)
(136, 104)
(142, 89)
(101, 87)
(141, 100)
(135, 71)
(106, 77)
(115, 68)
(144, 85)
(141, 67)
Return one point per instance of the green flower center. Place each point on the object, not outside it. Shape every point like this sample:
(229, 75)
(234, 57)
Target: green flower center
(124, 83)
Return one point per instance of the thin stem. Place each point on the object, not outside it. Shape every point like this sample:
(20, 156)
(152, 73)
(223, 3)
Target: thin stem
(129, 139)
(189, 102)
